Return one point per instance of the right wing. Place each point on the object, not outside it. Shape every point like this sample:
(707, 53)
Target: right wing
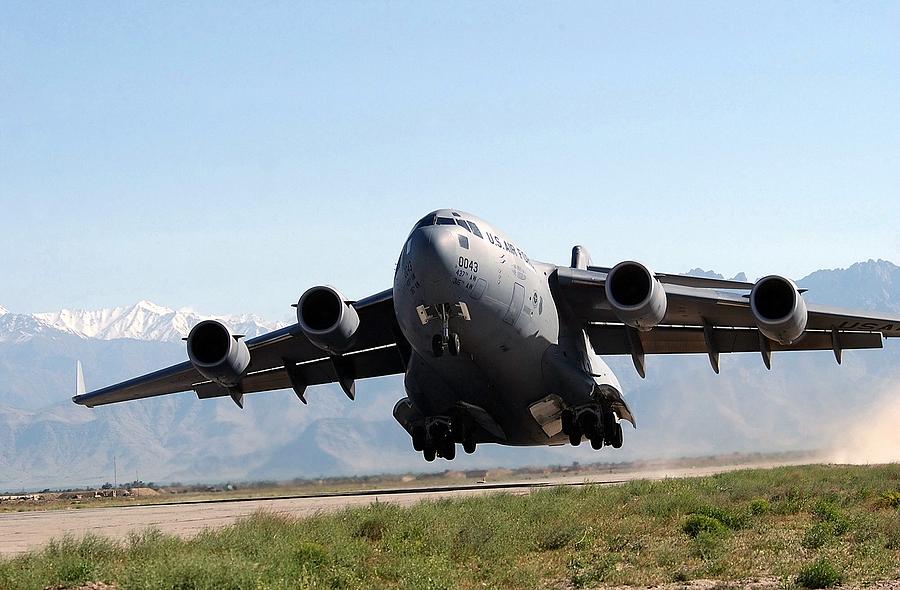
(706, 315)
(283, 359)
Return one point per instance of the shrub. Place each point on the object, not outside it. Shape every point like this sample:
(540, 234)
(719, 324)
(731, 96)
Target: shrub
(760, 506)
(587, 571)
(817, 535)
(708, 545)
(892, 535)
(557, 538)
(701, 523)
(729, 519)
(827, 512)
(891, 499)
(820, 574)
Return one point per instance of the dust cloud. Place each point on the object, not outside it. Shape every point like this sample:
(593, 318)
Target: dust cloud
(873, 436)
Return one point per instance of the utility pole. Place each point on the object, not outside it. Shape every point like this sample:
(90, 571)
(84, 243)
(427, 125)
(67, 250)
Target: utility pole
(115, 474)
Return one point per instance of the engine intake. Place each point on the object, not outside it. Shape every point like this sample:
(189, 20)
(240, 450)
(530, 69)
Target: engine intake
(327, 319)
(636, 296)
(779, 309)
(218, 354)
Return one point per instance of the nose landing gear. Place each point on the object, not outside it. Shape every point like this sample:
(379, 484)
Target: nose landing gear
(445, 340)
(451, 344)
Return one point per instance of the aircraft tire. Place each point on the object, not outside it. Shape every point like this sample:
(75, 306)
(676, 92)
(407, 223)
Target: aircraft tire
(597, 442)
(418, 438)
(617, 437)
(429, 453)
(437, 346)
(587, 421)
(469, 447)
(575, 438)
(449, 451)
(453, 345)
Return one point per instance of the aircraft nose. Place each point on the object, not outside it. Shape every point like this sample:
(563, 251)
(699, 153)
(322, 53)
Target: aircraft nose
(435, 254)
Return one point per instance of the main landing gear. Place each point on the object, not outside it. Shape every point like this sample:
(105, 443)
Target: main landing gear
(598, 425)
(438, 438)
(446, 340)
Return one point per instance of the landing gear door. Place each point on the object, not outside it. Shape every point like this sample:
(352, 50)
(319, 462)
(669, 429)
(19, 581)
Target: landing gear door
(515, 305)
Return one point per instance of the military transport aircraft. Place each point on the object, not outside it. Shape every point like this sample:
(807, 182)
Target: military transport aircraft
(499, 348)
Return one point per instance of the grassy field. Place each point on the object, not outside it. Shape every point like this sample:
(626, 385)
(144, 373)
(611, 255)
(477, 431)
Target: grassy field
(813, 525)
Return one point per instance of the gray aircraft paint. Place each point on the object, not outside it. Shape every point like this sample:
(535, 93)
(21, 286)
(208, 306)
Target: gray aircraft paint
(529, 334)
(518, 346)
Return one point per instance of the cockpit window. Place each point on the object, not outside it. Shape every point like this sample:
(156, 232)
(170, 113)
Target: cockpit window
(445, 221)
(463, 223)
(424, 222)
(474, 229)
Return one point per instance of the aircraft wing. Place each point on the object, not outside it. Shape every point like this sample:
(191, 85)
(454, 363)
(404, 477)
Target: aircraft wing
(711, 316)
(282, 359)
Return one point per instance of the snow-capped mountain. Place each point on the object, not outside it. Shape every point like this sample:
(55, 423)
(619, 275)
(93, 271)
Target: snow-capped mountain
(141, 321)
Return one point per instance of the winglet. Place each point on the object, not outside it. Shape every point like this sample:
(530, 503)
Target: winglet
(79, 379)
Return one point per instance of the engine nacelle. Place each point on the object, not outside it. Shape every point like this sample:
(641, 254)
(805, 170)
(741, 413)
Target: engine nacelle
(779, 309)
(327, 320)
(636, 296)
(218, 354)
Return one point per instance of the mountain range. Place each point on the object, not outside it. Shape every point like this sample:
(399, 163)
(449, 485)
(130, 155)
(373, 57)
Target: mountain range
(682, 408)
(142, 321)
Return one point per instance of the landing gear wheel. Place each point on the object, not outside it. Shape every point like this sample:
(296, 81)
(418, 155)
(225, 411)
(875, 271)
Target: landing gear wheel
(449, 451)
(617, 437)
(437, 345)
(597, 442)
(419, 438)
(453, 344)
(429, 454)
(575, 438)
(469, 447)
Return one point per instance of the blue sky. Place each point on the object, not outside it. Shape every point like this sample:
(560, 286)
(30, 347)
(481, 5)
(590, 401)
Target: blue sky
(226, 156)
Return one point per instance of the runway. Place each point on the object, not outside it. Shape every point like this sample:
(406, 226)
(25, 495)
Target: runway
(21, 531)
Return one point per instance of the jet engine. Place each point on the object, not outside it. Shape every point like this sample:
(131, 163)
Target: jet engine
(218, 354)
(327, 319)
(779, 309)
(636, 296)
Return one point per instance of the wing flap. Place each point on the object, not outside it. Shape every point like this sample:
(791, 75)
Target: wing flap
(172, 379)
(375, 362)
(612, 339)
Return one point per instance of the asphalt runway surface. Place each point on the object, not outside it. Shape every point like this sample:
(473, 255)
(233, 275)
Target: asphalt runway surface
(21, 531)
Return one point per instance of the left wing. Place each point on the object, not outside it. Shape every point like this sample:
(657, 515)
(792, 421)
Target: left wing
(282, 359)
(705, 315)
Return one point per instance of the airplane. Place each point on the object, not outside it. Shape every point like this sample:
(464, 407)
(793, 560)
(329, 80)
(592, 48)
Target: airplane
(498, 348)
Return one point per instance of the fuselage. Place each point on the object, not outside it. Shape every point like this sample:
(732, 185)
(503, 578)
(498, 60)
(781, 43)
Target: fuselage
(452, 258)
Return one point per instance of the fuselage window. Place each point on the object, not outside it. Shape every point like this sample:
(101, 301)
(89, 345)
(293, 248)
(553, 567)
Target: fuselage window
(445, 221)
(463, 241)
(474, 229)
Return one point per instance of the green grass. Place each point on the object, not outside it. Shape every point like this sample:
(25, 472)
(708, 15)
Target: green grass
(813, 526)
